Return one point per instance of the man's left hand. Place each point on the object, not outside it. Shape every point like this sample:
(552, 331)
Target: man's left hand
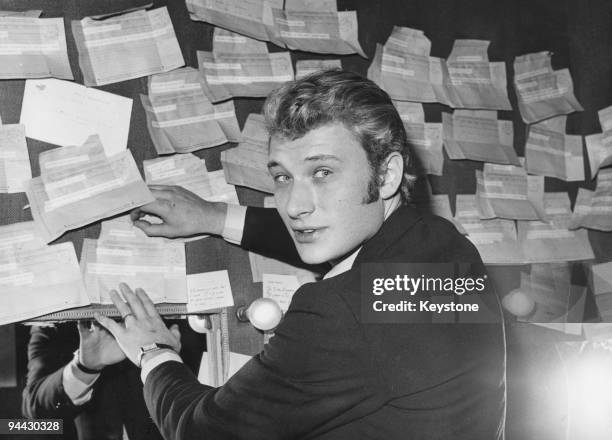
(141, 326)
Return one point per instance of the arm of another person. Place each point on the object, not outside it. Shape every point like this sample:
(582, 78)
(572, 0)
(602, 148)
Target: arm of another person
(313, 376)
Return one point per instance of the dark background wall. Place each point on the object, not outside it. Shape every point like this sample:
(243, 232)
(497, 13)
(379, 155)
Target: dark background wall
(579, 33)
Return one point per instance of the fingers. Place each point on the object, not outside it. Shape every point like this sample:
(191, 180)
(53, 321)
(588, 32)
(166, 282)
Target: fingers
(123, 308)
(152, 230)
(135, 304)
(113, 327)
(148, 305)
(174, 329)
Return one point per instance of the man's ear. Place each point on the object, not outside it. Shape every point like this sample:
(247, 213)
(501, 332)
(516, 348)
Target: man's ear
(392, 176)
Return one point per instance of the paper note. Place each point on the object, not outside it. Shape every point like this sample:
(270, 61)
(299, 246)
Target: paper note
(14, 159)
(32, 47)
(261, 265)
(65, 113)
(280, 288)
(478, 135)
(551, 152)
(21, 235)
(81, 187)
(473, 81)
(246, 165)
(40, 280)
(593, 209)
(552, 241)
(506, 191)
(121, 47)
(495, 239)
(425, 138)
(236, 362)
(180, 116)
(404, 69)
(542, 92)
(599, 145)
(209, 291)
(244, 74)
(156, 266)
(306, 67)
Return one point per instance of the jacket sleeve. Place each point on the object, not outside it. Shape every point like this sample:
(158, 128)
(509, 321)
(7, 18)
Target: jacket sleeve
(44, 395)
(303, 383)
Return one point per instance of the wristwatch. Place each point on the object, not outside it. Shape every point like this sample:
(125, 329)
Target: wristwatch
(150, 348)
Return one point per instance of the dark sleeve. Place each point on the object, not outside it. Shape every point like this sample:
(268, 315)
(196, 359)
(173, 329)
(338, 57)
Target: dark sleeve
(311, 377)
(43, 396)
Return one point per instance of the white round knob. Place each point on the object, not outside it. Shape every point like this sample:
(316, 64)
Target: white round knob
(264, 313)
(199, 323)
(518, 303)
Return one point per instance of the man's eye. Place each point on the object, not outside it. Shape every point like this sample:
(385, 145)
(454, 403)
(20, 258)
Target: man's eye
(281, 178)
(322, 173)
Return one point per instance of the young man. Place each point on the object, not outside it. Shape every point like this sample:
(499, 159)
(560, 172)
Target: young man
(341, 166)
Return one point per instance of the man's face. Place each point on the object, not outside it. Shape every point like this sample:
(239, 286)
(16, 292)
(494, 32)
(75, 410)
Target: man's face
(321, 184)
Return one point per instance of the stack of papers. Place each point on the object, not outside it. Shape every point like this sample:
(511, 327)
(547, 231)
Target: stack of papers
(32, 47)
(36, 279)
(181, 119)
(15, 169)
(542, 92)
(593, 209)
(153, 264)
(114, 48)
(302, 25)
(599, 146)
(425, 138)
(247, 164)
(478, 135)
(551, 152)
(495, 239)
(507, 191)
(80, 185)
(551, 241)
(248, 72)
(65, 113)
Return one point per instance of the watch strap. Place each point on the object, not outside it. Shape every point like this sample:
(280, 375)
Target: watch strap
(150, 348)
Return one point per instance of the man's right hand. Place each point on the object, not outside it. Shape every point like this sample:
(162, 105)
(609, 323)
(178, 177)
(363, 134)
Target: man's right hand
(182, 213)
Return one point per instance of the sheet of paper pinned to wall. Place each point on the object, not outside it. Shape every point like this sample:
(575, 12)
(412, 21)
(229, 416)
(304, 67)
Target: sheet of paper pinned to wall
(425, 138)
(209, 291)
(32, 47)
(306, 67)
(246, 165)
(404, 69)
(506, 191)
(153, 264)
(249, 71)
(478, 135)
(80, 185)
(541, 91)
(302, 25)
(317, 27)
(280, 288)
(599, 145)
(180, 117)
(602, 278)
(551, 152)
(36, 280)
(474, 82)
(593, 209)
(15, 168)
(551, 240)
(65, 113)
(121, 46)
(495, 239)
(236, 362)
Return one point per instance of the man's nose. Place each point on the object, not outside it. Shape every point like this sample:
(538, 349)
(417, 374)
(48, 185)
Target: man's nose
(300, 201)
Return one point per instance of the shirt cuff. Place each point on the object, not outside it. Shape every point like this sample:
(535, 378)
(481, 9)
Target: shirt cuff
(148, 364)
(78, 385)
(234, 223)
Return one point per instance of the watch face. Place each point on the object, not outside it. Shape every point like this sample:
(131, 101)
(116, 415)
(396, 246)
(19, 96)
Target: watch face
(148, 347)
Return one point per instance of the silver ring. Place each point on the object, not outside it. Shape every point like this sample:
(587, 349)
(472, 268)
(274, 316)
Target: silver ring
(126, 315)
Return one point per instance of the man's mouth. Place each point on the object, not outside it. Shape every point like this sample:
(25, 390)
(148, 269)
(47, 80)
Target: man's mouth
(306, 235)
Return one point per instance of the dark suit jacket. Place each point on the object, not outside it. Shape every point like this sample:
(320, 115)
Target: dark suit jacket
(327, 375)
(117, 394)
